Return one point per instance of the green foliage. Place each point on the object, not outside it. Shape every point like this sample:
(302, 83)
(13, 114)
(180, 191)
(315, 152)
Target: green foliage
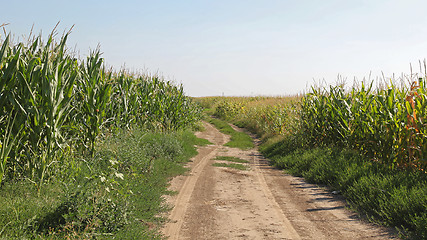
(189, 137)
(238, 139)
(266, 116)
(386, 125)
(392, 197)
(93, 95)
(116, 193)
(6, 145)
(85, 152)
(227, 109)
(56, 104)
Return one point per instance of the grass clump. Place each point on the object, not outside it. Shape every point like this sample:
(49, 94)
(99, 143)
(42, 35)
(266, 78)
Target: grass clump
(238, 139)
(231, 165)
(231, 159)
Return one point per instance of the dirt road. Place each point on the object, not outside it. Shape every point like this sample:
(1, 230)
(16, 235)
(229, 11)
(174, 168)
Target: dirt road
(259, 203)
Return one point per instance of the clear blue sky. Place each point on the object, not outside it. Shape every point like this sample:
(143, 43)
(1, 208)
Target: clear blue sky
(238, 47)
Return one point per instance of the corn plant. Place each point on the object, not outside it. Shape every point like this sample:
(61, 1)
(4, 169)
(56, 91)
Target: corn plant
(125, 101)
(386, 124)
(60, 103)
(415, 130)
(264, 115)
(51, 101)
(93, 97)
(7, 143)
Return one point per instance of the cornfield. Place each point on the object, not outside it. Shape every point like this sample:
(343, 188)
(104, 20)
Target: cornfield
(263, 115)
(52, 103)
(387, 124)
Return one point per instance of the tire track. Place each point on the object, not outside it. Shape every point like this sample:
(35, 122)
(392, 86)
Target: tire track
(260, 203)
(181, 203)
(289, 230)
(173, 227)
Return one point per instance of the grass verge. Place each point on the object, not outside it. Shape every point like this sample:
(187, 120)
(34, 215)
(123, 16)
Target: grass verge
(231, 165)
(231, 159)
(394, 198)
(115, 194)
(238, 139)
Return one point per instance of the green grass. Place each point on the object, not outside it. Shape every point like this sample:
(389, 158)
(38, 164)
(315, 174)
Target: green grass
(118, 193)
(209, 111)
(238, 139)
(231, 159)
(231, 165)
(395, 198)
(195, 140)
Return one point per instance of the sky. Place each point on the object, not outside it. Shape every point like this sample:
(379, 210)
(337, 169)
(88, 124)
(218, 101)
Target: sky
(237, 47)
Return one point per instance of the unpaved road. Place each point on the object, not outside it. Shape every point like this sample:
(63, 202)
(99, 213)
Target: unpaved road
(259, 203)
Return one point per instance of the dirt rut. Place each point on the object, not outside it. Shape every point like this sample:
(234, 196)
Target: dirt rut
(258, 203)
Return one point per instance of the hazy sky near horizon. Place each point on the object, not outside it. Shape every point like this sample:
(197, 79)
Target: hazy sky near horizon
(238, 47)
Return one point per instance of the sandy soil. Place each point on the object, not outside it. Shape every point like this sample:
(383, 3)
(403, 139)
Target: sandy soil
(259, 203)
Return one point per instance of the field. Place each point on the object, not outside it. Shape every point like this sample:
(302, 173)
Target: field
(367, 142)
(386, 124)
(86, 151)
